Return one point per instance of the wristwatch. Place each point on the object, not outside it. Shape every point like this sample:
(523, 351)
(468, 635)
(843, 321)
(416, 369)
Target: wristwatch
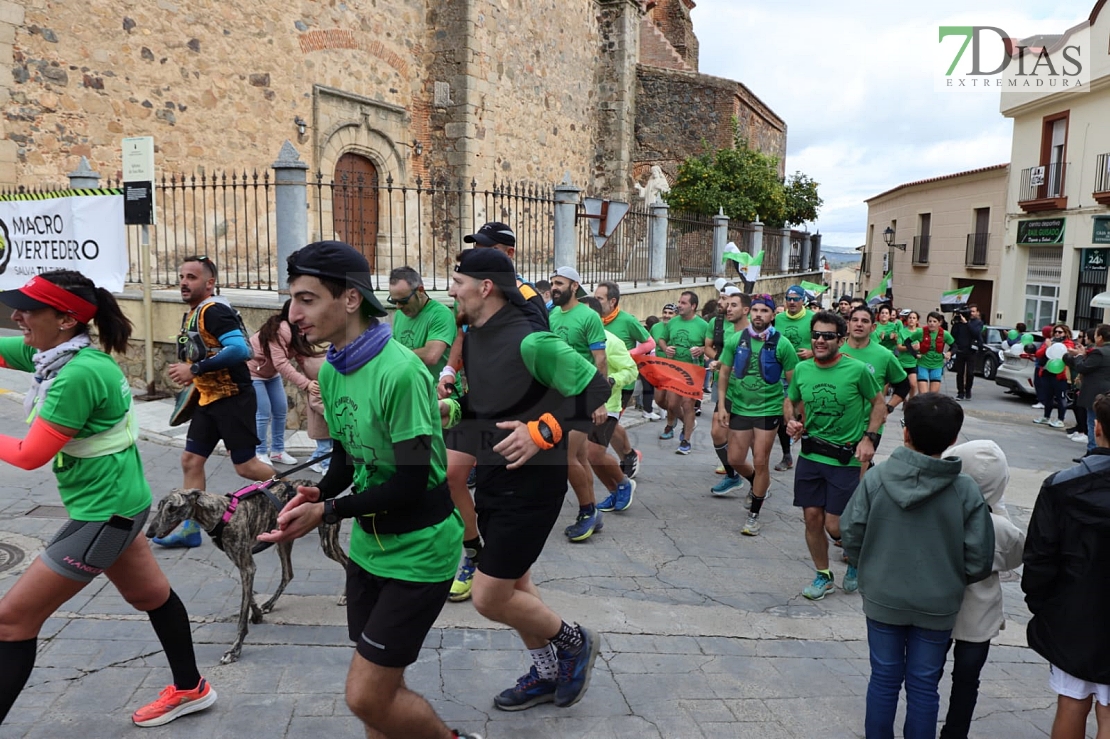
(330, 516)
(873, 437)
(194, 368)
(612, 382)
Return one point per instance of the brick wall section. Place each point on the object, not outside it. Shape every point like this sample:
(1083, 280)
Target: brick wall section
(677, 111)
(656, 50)
(672, 17)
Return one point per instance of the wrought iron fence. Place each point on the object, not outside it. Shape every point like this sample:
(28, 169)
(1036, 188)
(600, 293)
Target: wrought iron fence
(626, 255)
(774, 241)
(689, 246)
(741, 235)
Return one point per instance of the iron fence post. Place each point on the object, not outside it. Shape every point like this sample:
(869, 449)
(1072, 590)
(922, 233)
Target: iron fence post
(720, 240)
(566, 212)
(291, 207)
(658, 241)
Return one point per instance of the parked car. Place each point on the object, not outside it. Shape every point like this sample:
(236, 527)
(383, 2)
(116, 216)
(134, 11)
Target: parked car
(1016, 373)
(989, 357)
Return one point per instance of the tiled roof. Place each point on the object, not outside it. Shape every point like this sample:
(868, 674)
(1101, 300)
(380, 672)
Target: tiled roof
(937, 179)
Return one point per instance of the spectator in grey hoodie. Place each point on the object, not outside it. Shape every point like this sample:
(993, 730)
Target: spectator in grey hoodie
(919, 532)
(981, 617)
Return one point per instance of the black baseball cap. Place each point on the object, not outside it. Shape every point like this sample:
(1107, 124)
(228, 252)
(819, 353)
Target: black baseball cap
(336, 260)
(493, 233)
(492, 265)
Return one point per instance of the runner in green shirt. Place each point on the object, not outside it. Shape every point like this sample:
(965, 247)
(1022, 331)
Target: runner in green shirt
(907, 355)
(656, 330)
(424, 325)
(793, 323)
(933, 345)
(683, 340)
(753, 364)
(382, 410)
(733, 306)
(83, 426)
(886, 329)
(835, 406)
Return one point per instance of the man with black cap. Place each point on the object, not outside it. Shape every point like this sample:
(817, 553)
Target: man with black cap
(525, 389)
(388, 447)
(793, 323)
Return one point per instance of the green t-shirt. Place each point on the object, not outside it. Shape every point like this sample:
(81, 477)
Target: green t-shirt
(89, 394)
(796, 329)
(388, 400)
(626, 328)
(658, 331)
(752, 396)
(434, 322)
(929, 358)
(883, 365)
(581, 328)
(905, 358)
(683, 334)
(835, 398)
(887, 334)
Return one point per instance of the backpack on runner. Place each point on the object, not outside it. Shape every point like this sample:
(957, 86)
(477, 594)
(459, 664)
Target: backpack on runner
(770, 368)
(190, 343)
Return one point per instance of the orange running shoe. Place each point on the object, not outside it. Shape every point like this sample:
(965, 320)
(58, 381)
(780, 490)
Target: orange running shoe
(173, 703)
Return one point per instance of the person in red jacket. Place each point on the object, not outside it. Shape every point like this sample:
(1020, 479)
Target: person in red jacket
(1054, 384)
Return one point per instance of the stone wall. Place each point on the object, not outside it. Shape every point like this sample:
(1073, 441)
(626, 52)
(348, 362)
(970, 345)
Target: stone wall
(672, 18)
(680, 113)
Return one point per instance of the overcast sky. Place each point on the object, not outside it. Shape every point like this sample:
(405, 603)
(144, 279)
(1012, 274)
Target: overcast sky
(854, 82)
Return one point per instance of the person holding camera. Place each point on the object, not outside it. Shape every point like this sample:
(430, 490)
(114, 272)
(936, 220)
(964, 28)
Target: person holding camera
(967, 330)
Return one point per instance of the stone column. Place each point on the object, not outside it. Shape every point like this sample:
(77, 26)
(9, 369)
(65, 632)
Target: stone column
(566, 214)
(757, 236)
(619, 53)
(657, 270)
(291, 207)
(720, 240)
(807, 250)
(83, 178)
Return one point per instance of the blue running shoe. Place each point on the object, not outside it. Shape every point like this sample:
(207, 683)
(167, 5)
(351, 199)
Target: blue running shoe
(668, 432)
(584, 526)
(683, 447)
(460, 588)
(609, 504)
(850, 583)
(472, 478)
(186, 536)
(821, 584)
(725, 486)
(530, 690)
(624, 494)
(575, 669)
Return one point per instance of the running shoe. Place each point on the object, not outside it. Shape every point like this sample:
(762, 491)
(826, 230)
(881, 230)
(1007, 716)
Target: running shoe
(630, 465)
(460, 589)
(187, 536)
(821, 585)
(682, 434)
(959, 396)
(697, 407)
(283, 458)
(652, 416)
(725, 486)
(1081, 438)
(668, 432)
(609, 504)
(1040, 420)
(472, 478)
(850, 583)
(751, 528)
(575, 669)
(786, 463)
(683, 447)
(720, 469)
(530, 690)
(624, 493)
(264, 460)
(465, 735)
(173, 703)
(584, 526)
(1056, 423)
(1038, 406)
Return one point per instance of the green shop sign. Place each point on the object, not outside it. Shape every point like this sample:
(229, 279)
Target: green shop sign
(1042, 231)
(1095, 260)
(1100, 234)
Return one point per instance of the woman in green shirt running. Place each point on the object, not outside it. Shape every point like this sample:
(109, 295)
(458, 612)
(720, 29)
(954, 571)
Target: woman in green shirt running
(932, 344)
(82, 424)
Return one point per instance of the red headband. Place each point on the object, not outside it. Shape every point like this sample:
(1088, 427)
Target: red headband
(59, 298)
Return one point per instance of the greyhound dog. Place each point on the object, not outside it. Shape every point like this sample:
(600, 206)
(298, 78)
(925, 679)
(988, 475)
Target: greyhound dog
(238, 538)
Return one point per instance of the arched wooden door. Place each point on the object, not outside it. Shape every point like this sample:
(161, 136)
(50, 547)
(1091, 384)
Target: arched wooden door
(355, 204)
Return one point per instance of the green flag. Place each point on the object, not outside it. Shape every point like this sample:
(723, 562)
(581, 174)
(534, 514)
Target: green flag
(949, 299)
(814, 288)
(750, 264)
(878, 295)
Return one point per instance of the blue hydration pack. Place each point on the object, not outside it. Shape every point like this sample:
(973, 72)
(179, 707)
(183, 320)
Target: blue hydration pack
(770, 368)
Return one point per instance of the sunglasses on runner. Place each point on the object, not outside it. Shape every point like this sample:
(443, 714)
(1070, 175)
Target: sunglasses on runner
(404, 300)
(824, 335)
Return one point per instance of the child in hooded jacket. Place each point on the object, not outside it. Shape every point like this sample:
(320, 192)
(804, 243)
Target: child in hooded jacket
(981, 617)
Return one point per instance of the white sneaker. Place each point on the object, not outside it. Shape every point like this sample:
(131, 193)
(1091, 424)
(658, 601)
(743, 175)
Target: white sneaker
(319, 468)
(1038, 406)
(283, 458)
(1041, 420)
(264, 460)
(1078, 437)
(1056, 423)
(652, 416)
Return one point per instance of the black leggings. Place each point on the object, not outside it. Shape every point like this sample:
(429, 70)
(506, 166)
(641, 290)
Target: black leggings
(784, 439)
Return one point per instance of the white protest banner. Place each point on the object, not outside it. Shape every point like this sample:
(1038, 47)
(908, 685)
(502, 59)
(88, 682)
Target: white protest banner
(80, 230)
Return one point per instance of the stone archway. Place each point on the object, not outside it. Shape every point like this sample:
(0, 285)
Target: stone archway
(355, 198)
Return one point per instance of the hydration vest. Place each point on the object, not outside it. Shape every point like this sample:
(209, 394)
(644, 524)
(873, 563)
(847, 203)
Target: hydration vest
(938, 342)
(770, 368)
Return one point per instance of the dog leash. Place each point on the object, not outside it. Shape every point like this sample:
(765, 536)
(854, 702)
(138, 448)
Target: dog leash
(303, 466)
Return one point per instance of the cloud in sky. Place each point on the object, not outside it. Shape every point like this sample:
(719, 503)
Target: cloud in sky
(854, 82)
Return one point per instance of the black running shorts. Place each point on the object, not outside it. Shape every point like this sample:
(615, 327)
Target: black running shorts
(81, 550)
(389, 619)
(515, 524)
(603, 434)
(230, 419)
(820, 485)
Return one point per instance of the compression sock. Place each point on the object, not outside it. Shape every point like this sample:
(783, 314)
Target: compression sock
(171, 623)
(784, 439)
(547, 664)
(568, 639)
(757, 504)
(18, 658)
(722, 454)
(473, 549)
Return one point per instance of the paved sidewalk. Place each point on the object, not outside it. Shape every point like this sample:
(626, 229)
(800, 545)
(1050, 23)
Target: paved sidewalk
(705, 633)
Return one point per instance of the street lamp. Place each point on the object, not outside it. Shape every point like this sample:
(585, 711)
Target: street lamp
(888, 237)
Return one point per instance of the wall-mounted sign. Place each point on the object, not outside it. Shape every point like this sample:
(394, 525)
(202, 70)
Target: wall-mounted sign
(1041, 231)
(1100, 232)
(1095, 260)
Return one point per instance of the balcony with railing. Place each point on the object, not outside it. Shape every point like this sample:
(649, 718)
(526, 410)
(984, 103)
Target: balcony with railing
(1042, 188)
(978, 250)
(921, 250)
(1101, 193)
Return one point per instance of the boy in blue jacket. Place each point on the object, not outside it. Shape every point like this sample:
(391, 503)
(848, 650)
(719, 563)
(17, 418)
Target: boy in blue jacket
(919, 531)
